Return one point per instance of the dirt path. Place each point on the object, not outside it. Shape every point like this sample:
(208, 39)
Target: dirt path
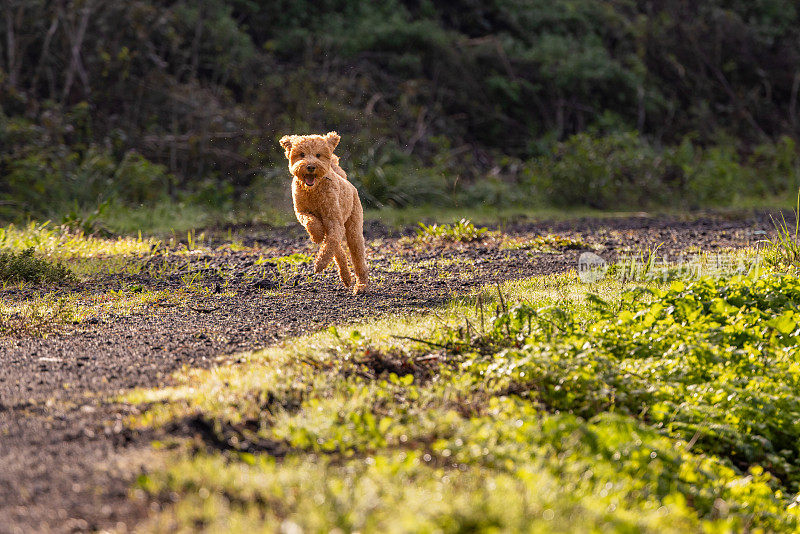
(65, 457)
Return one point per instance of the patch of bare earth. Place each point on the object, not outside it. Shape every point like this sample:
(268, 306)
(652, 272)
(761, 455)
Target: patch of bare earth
(66, 461)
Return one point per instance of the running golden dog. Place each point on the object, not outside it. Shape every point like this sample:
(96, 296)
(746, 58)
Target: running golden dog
(327, 204)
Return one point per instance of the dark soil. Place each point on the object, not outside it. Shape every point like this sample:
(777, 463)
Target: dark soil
(66, 461)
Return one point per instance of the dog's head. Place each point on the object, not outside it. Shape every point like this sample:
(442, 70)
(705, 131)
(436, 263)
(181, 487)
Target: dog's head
(309, 156)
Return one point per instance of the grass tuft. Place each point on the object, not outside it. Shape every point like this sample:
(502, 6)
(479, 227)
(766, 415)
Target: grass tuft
(16, 267)
(546, 243)
(783, 252)
(463, 231)
(37, 317)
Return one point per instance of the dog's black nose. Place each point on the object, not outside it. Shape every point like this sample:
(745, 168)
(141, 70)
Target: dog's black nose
(310, 168)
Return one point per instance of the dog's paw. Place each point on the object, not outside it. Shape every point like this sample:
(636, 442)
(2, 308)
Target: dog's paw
(345, 277)
(360, 289)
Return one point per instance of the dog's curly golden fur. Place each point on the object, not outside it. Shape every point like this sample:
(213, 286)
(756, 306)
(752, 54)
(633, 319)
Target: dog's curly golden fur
(327, 204)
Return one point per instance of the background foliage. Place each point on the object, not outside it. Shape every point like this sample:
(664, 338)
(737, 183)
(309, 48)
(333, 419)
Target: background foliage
(446, 102)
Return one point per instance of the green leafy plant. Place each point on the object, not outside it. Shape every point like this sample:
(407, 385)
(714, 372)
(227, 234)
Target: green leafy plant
(674, 358)
(88, 224)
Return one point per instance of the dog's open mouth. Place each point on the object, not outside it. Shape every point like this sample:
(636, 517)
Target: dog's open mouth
(309, 179)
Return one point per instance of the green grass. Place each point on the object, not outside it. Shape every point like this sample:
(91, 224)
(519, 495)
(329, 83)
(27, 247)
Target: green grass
(542, 405)
(37, 317)
(783, 250)
(84, 256)
(45, 260)
(482, 215)
(169, 218)
(462, 231)
(546, 243)
(61, 243)
(497, 216)
(163, 219)
(23, 266)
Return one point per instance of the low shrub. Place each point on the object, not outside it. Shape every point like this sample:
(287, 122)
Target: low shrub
(45, 176)
(776, 166)
(615, 170)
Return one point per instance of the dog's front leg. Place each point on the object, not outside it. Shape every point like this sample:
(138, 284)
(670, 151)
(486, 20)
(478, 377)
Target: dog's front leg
(330, 246)
(341, 262)
(314, 226)
(333, 247)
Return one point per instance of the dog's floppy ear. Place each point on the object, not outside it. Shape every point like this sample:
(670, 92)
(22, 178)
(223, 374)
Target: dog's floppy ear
(286, 143)
(333, 139)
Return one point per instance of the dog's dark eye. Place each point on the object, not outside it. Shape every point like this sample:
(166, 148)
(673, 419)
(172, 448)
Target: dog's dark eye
(317, 155)
(302, 154)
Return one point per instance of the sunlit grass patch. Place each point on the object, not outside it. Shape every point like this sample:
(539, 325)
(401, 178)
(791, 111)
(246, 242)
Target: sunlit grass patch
(37, 317)
(545, 243)
(463, 231)
(398, 264)
(49, 312)
(565, 290)
(783, 250)
(297, 258)
(59, 243)
(84, 255)
(652, 265)
(555, 474)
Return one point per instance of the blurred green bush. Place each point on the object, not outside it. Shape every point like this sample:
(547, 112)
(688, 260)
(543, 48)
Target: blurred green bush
(445, 103)
(625, 170)
(46, 177)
